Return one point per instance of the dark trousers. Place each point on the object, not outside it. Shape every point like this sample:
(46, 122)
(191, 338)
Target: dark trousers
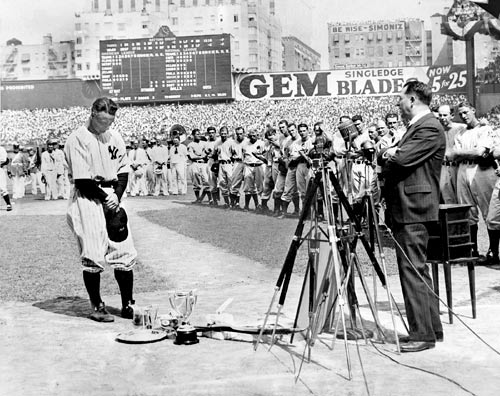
(421, 305)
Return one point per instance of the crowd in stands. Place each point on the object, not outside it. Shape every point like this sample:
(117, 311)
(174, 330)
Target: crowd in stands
(29, 127)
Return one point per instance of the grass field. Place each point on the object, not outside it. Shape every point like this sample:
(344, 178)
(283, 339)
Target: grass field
(39, 261)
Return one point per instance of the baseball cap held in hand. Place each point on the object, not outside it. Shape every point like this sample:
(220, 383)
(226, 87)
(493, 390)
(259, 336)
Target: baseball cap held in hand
(116, 225)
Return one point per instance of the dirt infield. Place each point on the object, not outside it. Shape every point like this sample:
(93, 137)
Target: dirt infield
(51, 348)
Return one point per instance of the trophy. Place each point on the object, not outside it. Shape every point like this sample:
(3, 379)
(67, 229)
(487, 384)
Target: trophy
(182, 302)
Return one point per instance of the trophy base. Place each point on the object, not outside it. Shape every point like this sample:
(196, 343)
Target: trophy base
(186, 335)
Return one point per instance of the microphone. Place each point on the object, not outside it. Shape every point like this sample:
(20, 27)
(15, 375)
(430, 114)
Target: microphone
(348, 130)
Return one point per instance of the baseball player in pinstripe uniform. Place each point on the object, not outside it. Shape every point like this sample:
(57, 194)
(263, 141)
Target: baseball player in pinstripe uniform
(210, 144)
(237, 177)
(223, 152)
(475, 182)
(4, 161)
(197, 154)
(448, 180)
(99, 167)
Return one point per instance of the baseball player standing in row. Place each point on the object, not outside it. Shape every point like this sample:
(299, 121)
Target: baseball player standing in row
(4, 161)
(19, 169)
(49, 168)
(448, 180)
(475, 182)
(99, 166)
(197, 154)
(223, 152)
(178, 155)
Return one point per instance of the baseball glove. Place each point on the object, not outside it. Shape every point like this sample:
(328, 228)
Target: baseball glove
(116, 224)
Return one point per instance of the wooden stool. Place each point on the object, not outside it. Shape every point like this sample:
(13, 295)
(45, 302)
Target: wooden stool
(451, 244)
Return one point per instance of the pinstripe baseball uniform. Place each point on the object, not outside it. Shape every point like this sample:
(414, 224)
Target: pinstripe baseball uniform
(96, 157)
(475, 185)
(3, 172)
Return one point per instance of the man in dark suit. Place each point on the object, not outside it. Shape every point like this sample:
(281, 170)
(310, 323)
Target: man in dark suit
(411, 172)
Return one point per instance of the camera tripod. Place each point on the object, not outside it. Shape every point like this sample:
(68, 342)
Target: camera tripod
(328, 282)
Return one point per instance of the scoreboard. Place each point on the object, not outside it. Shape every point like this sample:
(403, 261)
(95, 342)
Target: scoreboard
(167, 68)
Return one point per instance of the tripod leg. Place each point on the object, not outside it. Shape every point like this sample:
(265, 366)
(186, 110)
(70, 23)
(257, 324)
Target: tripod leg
(384, 268)
(257, 342)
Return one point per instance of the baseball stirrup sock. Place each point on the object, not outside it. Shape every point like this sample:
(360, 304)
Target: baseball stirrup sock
(6, 198)
(255, 200)
(248, 197)
(277, 204)
(92, 282)
(125, 281)
(494, 236)
(473, 237)
(296, 204)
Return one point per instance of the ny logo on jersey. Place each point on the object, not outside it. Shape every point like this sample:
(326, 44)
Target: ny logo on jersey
(113, 151)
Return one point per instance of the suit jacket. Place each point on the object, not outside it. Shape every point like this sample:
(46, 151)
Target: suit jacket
(411, 177)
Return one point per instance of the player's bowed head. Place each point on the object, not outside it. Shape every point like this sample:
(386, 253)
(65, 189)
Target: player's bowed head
(102, 115)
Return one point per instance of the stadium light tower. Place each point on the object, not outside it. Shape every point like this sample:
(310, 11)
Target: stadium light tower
(463, 21)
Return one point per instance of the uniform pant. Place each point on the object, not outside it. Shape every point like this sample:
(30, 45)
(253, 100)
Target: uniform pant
(224, 181)
(420, 304)
(3, 182)
(63, 185)
(18, 186)
(51, 187)
(86, 219)
(303, 174)
(138, 183)
(150, 179)
(237, 178)
(448, 184)
(212, 177)
(362, 180)
(160, 182)
(36, 183)
(290, 192)
(270, 178)
(253, 179)
(179, 185)
(199, 176)
(475, 187)
(493, 218)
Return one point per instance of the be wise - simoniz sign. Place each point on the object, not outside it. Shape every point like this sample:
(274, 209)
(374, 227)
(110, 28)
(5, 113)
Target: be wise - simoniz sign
(294, 85)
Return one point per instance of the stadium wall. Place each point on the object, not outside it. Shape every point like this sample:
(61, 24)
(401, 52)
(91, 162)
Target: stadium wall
(40, 94)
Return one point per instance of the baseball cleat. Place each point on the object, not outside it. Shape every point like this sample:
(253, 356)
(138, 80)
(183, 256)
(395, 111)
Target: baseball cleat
(101, 314)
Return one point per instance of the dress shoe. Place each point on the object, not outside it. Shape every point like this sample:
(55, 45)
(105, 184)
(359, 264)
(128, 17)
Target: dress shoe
(417, 346)
(439, 338)
(490, 259)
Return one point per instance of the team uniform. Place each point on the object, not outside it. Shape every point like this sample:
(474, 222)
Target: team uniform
(197, 153)
(475, 184)
(35, 175)
(100, 158)
(237, 175)
(159, 159)
(49, 168)
(3, 177)
(271, 172)
(19, 169)
(449, 171)
(212, 176)
(178, 165)
(290, 192)
(253, 174)
(223, 151)
(63, 183)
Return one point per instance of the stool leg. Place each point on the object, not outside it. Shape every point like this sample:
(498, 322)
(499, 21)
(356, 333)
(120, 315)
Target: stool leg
(435, 280)
(472, 287)
(447, 281)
